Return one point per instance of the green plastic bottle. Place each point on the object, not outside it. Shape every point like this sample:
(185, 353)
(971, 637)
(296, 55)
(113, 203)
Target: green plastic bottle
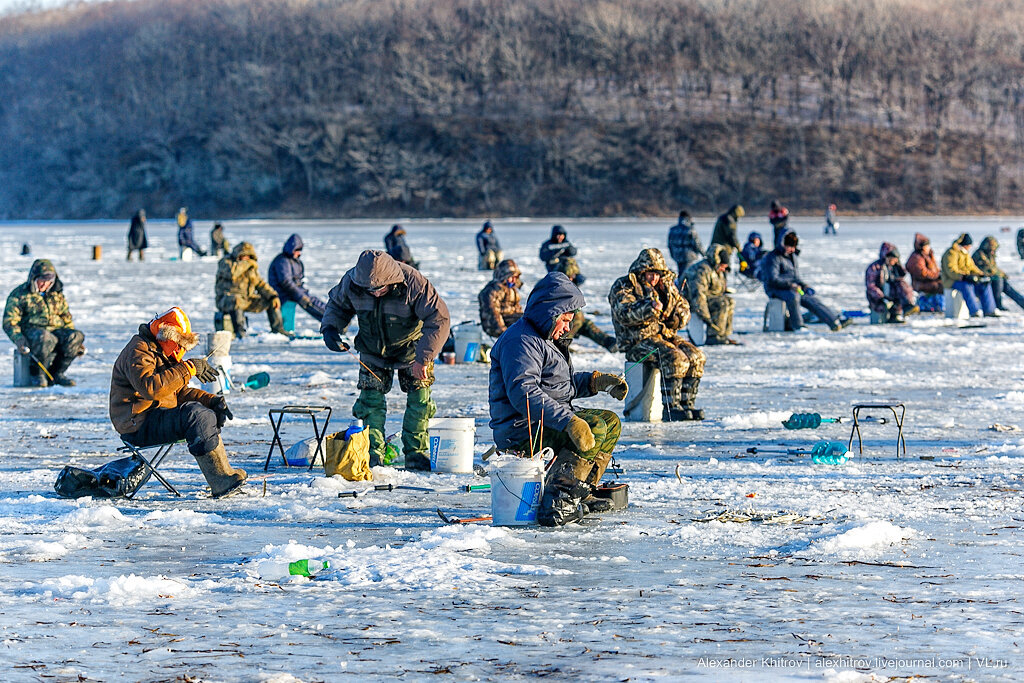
(390, 454)
(308, 567)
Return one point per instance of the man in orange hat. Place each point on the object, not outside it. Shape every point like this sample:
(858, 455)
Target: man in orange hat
(151, 401)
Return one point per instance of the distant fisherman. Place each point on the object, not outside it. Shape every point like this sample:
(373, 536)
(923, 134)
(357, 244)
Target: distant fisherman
(186, 234)
(287, 276)
(488, 246)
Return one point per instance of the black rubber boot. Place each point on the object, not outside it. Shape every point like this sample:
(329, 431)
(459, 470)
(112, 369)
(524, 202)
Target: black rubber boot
(565, 487)
(594, 504)
(675, 408)
(238, 322)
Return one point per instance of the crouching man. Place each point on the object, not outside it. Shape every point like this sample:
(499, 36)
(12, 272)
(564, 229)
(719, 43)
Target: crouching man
(532, 383)
(151, 402)
(38, 321)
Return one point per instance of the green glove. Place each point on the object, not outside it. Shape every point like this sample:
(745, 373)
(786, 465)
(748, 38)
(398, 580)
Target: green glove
(580, 434)
(613, 385)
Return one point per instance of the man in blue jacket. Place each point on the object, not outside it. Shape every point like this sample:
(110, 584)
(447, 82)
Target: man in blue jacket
(782, 281)
(286, 276)
(532, 383)
(488, 246)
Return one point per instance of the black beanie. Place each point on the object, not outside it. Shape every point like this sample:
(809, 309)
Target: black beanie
(966, 241)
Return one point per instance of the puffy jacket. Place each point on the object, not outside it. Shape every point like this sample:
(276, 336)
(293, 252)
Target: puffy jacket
(925, 274)
(238, 280)
(957, 264)
(632, 301)
(725, 228)
(487, 241)
(551, 252)
(501, 304)
(144, 378)
(396, 246)
(779, 271)
(409, 323)
(527, 366)
(137, 231)
(752, 256)
(880, 275)
(28, 307)
(287, 272)
(985, 258)
(684, 244)
(703, 280)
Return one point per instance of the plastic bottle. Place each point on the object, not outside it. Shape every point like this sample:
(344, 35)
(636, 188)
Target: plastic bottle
(308, 567)
(390, 453)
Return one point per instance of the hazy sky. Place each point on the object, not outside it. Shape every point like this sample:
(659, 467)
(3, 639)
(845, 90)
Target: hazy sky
(9, 6)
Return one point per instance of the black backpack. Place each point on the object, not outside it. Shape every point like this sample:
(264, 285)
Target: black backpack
(116, 479)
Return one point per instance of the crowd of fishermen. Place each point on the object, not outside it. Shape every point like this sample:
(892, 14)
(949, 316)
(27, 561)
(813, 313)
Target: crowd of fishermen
(404, 323)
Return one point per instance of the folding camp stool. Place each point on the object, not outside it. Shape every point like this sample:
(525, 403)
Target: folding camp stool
(897, 418)
(312, 411)
(162, 450)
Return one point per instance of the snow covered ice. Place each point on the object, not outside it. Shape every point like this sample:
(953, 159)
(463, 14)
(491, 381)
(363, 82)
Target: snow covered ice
(883, 567)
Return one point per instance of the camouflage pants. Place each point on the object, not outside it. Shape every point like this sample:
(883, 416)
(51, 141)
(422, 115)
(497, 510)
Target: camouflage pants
(721, 308)
(676, 357)
(605, 425)
(56, 349)
(371, 407)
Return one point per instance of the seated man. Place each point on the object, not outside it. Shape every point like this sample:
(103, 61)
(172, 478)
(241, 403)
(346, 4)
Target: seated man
(500, 300)
(751, 255)
(38, 321)
(398, 248)
(706, 289)
(925, 275)
(782, 281)
(887, 288)
(532, 384)
(985, 259)
(581, 324)
(152, 403)
(648, 311)
(557, 248)
(960, 273)
(239, 289)
(287, 276)
(488, 246)
(186, 235)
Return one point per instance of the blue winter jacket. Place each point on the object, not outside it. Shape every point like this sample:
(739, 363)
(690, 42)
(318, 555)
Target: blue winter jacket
(187, 239)
(486, 241)
(753, 255)
(527, 366)
(287, 272)
(778, 271)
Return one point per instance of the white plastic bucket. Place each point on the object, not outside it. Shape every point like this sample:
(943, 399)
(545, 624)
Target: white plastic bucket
(468, 338)
(451, 444)
(222, 385)
(517, 485)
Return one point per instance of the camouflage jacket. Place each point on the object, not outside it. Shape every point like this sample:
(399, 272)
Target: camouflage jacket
(985, 258)
(632, 300)
(500, 305)
(27, 307)
(703, 280)
(239, 282)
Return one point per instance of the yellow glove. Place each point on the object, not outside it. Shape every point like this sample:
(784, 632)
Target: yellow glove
(615, 386)
(580, 434)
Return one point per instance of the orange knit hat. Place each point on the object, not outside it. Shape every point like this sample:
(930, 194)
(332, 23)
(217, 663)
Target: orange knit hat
(173, 331)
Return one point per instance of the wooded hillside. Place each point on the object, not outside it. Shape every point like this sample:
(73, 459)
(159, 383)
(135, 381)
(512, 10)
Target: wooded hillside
(511, 107)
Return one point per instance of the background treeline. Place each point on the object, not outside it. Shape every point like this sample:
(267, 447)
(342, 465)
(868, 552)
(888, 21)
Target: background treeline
(511, 107)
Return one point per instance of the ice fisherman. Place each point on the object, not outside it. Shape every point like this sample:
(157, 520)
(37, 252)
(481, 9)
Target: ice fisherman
(38, 321)
(648, 311)
(488, 247)
(985, 258)
(152, 403)
(778, 216)
(287, 275)
(582, 326)
(707, 293)
(403, 323)
(397, 248)
(500, 300)
(239, 289)
(959, 272)
(531, 389)
(218, 243)
(831, 224)
(886, 286)
(556, 248)
(925, 275)
(781, 280)
(684, 244)
(726, 227)
(751, 255)
(137, 235)
(186, 234)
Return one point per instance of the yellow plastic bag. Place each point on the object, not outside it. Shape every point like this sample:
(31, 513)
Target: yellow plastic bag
(350, 459)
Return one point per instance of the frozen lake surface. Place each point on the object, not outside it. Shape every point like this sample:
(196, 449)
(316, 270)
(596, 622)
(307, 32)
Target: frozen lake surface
(907, 566)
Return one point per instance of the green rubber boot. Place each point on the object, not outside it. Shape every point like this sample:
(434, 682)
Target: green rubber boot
(372, 408)
(419, 408)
